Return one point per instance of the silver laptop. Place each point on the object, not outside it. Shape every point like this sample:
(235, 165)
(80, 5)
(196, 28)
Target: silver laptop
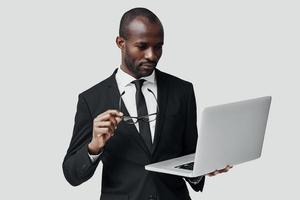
(229, 134)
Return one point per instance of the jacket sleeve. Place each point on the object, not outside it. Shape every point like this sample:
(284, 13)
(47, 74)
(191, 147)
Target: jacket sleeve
(191, 131)
(77, 165)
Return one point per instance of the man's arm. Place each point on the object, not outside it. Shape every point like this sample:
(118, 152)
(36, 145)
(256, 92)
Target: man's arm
(89, 138)
(77, 165)
(191, 134)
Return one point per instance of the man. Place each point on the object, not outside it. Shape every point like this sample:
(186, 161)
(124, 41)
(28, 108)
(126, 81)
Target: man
(137, 116)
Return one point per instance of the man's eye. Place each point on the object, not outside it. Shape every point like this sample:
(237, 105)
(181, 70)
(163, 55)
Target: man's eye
(142, 46)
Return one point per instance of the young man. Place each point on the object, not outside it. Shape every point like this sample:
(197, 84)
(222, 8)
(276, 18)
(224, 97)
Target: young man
(137, 116)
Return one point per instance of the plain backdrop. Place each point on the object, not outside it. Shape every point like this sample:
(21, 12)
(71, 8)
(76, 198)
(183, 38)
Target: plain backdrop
(50, 51)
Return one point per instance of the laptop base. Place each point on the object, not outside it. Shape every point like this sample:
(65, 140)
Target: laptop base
(171, 166)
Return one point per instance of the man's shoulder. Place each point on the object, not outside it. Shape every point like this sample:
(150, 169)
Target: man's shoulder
(172, 79)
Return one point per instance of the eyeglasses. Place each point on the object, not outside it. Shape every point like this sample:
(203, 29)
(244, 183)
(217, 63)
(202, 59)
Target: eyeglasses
(145, 118)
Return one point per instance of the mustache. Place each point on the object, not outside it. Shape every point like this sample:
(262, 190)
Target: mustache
(152, 63)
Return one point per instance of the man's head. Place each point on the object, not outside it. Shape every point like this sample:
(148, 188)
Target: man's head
(140, 39)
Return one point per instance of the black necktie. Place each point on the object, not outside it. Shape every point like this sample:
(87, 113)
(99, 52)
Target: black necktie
(142, 111)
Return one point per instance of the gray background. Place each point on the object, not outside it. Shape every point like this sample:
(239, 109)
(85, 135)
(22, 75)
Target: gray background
(50, 51)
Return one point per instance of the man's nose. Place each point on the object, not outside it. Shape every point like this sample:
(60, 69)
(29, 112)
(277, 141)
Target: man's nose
(150, 55)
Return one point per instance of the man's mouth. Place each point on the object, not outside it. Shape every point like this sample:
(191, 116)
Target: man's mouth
(149, 65)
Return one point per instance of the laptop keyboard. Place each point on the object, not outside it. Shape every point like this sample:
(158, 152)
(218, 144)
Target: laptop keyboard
(189, 166)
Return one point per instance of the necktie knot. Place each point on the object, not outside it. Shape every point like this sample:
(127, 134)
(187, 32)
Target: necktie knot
(138, 83)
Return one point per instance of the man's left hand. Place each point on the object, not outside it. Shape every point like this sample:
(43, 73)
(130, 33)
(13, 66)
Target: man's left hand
(219, 171)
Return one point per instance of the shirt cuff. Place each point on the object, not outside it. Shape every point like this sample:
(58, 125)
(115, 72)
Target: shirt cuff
(195, 180)
(95, 157)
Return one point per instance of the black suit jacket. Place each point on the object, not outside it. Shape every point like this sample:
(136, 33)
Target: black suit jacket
(126, 154)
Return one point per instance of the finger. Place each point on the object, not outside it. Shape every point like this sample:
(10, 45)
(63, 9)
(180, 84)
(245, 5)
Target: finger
(213, 173)
(100, 117)
(227, 168)
(105, 136)
(103, 124)
(216, 172)
(223, 170)
(118, 119)
(120, 114)
(113, 121)
(108, 135)
(210, 174)
(115, 113)
(112, 112)
(105, 121)
(103, 130)
(107, 116)
(109, 123)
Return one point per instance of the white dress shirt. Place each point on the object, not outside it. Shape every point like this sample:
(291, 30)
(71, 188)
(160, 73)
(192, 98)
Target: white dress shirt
(124, 84)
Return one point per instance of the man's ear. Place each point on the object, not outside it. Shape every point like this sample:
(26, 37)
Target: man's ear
(120, 41)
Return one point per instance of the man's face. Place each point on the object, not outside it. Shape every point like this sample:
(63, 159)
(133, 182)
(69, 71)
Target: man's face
(142, 49)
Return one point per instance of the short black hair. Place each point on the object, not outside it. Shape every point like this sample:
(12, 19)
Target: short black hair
(133, 13)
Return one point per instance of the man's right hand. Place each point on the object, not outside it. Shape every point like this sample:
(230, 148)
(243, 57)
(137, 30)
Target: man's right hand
(104, 126)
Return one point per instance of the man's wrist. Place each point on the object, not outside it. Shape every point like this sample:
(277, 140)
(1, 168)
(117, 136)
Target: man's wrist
(94, 149)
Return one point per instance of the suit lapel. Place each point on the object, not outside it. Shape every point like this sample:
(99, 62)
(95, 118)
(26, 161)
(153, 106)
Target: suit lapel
(114, 96)
(162, 98)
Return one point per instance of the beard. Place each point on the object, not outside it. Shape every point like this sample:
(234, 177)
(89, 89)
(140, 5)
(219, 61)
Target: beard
(139, 69)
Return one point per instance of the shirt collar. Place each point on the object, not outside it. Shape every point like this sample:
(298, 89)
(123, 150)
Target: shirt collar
(125, 79)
